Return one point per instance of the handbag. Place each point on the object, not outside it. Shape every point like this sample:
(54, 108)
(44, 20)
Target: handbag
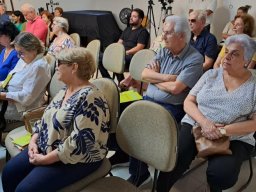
(207, 147)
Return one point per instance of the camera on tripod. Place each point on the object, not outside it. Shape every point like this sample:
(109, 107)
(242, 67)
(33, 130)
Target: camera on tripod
(150, 2)
(163, 3)
(170, 1)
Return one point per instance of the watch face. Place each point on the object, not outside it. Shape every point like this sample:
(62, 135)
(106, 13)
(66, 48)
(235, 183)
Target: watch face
(223, 131)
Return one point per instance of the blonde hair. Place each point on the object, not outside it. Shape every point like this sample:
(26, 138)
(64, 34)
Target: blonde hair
(81, 56)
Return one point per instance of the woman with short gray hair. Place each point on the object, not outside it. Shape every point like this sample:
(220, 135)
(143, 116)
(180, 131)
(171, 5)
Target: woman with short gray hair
(63, 40)
(218, 104)
(70, 140)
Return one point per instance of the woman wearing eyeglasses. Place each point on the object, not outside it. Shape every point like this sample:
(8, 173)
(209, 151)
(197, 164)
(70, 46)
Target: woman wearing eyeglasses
(69, 141)
(213, 105)
(26, 83)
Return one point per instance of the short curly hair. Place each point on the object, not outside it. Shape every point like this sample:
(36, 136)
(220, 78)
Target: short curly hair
(81, 56)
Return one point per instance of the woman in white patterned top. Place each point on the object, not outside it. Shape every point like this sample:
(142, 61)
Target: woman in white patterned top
(222, 103)
(69, 141)
(63, 40)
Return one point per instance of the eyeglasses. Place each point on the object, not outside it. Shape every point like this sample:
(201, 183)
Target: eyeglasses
(192, 20)
(168, 33)
(20, 54)
(62, 62)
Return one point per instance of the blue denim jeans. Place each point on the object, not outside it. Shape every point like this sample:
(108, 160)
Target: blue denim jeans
(138, 168)
(20, 175)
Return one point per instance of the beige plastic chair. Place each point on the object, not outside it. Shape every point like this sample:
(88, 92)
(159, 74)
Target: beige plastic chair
(138, 63)
(94, 48)
(143, 128)
(76, 38)
(51, 60)
(113, 58)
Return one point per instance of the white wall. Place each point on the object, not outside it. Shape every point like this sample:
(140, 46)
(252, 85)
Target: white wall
(225, 11)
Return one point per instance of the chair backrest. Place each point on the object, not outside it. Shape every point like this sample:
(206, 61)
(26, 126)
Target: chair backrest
(76, 38)
(94, 48)
(111, 93)
(51, 60)
(148, 132)
(55, 86)
(113, 58)
(139, 61)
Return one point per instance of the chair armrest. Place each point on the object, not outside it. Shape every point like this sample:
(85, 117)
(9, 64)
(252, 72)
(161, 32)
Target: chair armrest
(31, 116)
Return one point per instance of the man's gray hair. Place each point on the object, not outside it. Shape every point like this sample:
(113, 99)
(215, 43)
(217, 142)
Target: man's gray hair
(180, 25)
(201, 15)
(28, 7)
(246, 42)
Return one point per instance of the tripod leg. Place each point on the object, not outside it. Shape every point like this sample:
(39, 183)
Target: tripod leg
(154, 23)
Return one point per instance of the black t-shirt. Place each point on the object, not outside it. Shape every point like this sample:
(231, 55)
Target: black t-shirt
(132, 37)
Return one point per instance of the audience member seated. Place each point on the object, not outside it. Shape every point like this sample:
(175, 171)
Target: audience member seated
(212, 105)
(243, 24)
(35, 24)
(228, 30)
(202, 39)
(69, 141)
(8, 56)
(209, 6)
(3, 16)
(29, 78)
(134, 38)
(58, 11)
(62, 40)
(48, 19)
(19, 20)
(128, 82)
(174, 70)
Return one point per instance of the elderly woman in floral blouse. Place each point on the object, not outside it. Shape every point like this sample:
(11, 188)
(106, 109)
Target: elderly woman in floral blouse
(69, 142)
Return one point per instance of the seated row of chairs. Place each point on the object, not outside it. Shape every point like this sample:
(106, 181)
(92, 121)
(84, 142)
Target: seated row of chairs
(135, 130)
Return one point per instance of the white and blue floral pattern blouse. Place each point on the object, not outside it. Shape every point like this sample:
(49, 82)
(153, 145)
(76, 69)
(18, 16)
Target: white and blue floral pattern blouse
(78, 128)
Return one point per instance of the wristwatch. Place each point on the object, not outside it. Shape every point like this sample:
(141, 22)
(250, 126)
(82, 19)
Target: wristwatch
(223, 131)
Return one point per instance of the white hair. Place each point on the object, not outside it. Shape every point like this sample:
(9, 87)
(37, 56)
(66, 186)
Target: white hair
(28, 7)
(246, 42)
(180, 25)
